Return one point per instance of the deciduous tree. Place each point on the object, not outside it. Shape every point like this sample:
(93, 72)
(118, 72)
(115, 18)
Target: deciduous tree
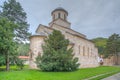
(6, 39)
(113, 46)
(100, 43)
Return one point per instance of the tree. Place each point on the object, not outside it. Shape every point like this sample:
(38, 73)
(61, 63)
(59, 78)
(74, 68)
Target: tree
(113, 46)
(23, 49)
(19, 63)
(13, 28)
(100, 43)
(56, 55)
(6, 39)
(13, 11)
(2, 60)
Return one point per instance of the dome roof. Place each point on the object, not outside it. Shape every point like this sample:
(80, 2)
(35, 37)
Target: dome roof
(60, 9)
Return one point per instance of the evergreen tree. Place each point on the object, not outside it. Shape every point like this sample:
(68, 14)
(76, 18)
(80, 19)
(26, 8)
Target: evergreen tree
(13, 11)
(56, 55)
(113, 46)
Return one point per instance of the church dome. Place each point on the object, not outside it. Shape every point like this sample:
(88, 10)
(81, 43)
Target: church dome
(59, 9)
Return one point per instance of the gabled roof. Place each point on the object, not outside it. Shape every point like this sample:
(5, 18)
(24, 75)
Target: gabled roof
(66, 32)
(43, 26)
(80, 34)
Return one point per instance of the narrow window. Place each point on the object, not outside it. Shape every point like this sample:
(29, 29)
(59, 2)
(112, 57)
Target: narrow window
(58, 15)
(91, 52)
(53, 16)
(83, 51)
(79, 49)
(88, 51)
(64, 17)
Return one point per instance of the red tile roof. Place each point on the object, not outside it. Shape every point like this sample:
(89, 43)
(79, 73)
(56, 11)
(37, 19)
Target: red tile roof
(23, 57)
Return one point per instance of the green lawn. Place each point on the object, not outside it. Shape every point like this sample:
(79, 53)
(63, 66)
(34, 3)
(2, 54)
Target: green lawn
(80, 74)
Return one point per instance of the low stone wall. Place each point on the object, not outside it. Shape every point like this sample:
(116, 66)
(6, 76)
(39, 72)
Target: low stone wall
(111, 61)
(119, 60)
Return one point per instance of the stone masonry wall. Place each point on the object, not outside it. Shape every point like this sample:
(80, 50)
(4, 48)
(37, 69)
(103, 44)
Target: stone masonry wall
(35, 49)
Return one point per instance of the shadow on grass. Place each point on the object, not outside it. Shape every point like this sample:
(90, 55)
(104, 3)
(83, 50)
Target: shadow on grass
(2, 69)
(14, 68)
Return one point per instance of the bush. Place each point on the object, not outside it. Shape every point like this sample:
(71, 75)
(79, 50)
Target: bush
(20, 63)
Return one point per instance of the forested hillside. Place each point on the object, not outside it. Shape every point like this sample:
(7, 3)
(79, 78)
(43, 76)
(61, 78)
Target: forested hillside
(100, 44)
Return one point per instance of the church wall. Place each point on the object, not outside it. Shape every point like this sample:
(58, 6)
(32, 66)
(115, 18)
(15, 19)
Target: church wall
(62, 23)
(35, 49)
(87, 58)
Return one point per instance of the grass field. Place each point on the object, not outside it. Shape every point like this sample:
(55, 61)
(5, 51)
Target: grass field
(80, 74)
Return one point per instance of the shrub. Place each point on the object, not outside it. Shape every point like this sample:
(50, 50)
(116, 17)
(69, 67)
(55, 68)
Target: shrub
(56, 55)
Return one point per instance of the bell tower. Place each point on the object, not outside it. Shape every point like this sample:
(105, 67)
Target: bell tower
(59, 13)
(59, 17)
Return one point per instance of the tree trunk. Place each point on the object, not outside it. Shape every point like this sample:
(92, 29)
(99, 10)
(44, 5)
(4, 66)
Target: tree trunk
(116, 59)
(7, 62)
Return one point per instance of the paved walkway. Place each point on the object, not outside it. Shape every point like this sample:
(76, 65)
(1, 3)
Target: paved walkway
(113, 77)
(96, 76)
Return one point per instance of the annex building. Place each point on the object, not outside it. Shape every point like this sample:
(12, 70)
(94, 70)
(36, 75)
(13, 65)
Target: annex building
(83, 48)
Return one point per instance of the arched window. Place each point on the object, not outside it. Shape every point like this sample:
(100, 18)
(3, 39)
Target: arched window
(88, 51)
(53, 16)
(64, 17)
(58, 15)
(91, 52)
(79, 49)
(83, 50)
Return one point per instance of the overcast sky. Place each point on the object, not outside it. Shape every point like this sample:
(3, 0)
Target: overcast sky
(94, 18)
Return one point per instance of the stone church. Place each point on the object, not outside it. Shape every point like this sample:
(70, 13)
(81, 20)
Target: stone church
(83, 48)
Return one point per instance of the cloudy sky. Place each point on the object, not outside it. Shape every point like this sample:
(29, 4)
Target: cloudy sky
(94, 18)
